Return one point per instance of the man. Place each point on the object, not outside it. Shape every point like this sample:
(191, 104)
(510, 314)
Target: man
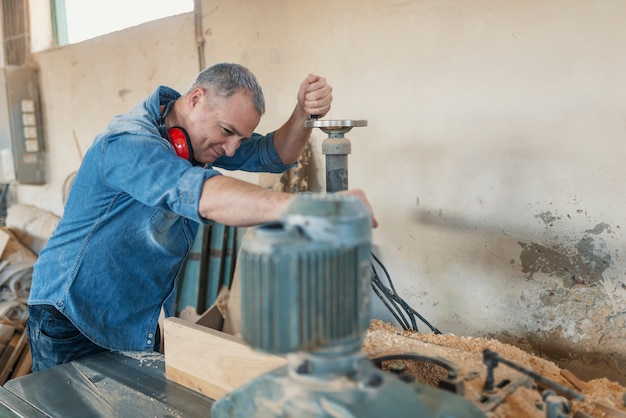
(136, 203)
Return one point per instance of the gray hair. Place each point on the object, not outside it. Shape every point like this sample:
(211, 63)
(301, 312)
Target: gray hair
(226, 79)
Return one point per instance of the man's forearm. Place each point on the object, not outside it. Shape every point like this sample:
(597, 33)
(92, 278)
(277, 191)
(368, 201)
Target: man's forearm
(237, 203)
(291, 138)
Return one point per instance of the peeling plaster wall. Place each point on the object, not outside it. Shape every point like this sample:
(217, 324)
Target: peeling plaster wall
(493, 156)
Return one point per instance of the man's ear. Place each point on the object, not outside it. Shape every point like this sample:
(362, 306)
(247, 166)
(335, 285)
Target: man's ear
(197, 96)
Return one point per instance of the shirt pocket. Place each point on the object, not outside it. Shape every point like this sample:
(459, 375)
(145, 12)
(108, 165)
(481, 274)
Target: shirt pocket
(161, 221)
(171, 231)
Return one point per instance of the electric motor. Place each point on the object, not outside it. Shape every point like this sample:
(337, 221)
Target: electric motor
(305, 280)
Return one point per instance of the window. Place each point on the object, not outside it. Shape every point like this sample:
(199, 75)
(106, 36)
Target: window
(78, 20)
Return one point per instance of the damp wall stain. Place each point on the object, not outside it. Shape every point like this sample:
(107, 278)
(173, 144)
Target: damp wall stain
(547, 217)
(584, 266)
(579, 319)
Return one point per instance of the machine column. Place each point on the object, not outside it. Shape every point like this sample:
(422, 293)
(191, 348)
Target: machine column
(336, 148)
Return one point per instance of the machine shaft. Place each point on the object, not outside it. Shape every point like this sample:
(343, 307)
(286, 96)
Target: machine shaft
(336, 148)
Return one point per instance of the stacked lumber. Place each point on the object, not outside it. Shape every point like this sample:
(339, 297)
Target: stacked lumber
(15, 360)
(16, 267)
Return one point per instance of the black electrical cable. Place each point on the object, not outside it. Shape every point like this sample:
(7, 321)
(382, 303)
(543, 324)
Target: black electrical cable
(394, 300)
(388, 306)
(392, 296)
(401, 311)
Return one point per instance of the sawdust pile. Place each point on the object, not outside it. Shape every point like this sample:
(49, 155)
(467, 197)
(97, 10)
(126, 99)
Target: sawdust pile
(603, 398)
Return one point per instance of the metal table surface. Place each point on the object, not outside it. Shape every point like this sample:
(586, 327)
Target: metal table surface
(104, 385)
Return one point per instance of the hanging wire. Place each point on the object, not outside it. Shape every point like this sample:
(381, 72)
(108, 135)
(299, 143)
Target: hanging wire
(401, 311)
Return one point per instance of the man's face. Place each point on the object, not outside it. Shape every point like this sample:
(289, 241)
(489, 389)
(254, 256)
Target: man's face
(217, 126)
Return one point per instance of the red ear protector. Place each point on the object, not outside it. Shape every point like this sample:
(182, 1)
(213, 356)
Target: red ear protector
(177, 136)
(180, 141)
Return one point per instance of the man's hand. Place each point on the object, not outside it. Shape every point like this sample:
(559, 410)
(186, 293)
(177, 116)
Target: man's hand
(361, 195)
(315, 96)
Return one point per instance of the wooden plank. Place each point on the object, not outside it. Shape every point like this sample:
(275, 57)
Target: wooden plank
(609, 410)
(11, 354)
(4, 240)
(574, 380)
(209, 361)
(24, 364)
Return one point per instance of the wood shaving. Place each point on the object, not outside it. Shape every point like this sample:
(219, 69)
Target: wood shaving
(466, 353)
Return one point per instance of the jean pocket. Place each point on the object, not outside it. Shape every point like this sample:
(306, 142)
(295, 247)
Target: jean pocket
(53, 324)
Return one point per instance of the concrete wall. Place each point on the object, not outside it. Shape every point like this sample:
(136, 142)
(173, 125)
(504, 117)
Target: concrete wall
(493, 156)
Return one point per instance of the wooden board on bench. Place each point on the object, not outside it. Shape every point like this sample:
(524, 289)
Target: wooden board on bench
(209, 361)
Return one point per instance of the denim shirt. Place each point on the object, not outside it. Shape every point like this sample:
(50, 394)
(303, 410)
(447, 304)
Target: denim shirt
(130, 219)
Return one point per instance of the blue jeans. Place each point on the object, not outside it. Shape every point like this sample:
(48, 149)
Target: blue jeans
(54, 339)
